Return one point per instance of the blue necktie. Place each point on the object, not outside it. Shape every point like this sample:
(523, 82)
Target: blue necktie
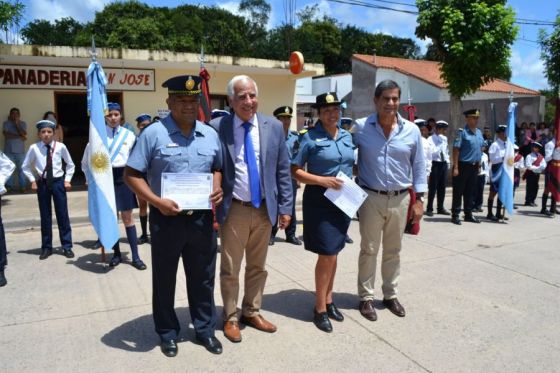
(251, 161)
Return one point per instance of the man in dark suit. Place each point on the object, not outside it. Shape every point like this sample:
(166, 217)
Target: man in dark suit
(257, 188)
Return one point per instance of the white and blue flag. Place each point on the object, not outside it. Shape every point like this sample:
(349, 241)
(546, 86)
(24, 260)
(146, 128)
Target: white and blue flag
(505, 190)
(101, 193)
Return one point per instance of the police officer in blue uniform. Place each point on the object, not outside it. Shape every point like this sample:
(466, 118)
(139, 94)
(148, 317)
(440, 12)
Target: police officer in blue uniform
(467, 154)
(326, 149)
(180, 144)
(284, 114)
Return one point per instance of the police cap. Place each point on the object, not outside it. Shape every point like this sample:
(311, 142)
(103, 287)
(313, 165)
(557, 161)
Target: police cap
(183, 85)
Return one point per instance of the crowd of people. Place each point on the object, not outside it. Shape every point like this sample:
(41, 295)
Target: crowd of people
(257, 165)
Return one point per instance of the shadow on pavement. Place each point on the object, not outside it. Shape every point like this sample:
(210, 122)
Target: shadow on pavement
(533, 213)
(87, 244)
(92, 263)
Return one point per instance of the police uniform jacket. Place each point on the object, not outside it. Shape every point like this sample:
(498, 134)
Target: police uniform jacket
(469, 144)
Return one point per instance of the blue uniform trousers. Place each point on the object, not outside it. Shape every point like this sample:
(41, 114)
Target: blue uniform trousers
(436, 187)
(3, 257)
(291, 228)
(57, 194)
(192, 238)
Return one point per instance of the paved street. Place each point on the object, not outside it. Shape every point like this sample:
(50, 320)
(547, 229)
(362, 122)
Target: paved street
(479, 298)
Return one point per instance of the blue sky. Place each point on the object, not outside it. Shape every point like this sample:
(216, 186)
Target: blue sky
(526, 65)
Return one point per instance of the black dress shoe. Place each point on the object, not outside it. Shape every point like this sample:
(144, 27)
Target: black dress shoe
(334, 313)
(444, 212)
(429, 213)
(472, 219)
(3, 280)
(97, 245)
(139, 265)
(211, 344)
(115, 261)
(293, 240)
(69, 253)
(45, 253)
(142, 240)
(169, 348)
(456, 220)
(348, 239)
(394, 306)
(491, 217)
(321, 321)
(271, 241)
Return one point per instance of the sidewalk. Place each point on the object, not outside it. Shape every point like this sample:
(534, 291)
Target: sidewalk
(479, 298)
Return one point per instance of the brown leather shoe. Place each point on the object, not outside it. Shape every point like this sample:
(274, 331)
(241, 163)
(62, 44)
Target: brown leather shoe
(232, 332)
(367, 310)
(258, 322)
(394, 306)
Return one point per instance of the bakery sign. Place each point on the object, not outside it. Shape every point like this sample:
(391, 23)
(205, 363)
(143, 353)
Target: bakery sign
(73, 78)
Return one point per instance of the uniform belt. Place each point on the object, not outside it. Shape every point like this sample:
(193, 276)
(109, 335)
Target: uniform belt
(470, 163)
(44, 179)
(389, 193)
(243, 203)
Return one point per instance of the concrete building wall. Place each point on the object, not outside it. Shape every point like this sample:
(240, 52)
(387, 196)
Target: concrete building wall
(363, 86)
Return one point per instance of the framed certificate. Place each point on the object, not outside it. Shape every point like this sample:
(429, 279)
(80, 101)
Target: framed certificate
(189, 191)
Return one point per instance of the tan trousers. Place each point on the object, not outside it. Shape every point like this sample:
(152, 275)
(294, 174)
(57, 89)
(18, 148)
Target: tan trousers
(381, 218)
(245, 231)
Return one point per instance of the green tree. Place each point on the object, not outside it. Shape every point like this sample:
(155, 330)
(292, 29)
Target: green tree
(550, 45)
(258, 11)
(62, 32)
(472, 40)
(10, 19)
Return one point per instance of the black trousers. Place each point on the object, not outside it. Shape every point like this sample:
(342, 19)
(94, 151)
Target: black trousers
(438, 178)
(3, 256)
(463, 187)
(192, 238)
(478, 195)
(532, 186)
(291, 228)
(57, 194)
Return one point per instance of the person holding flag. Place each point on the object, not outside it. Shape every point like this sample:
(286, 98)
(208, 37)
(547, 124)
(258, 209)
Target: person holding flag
(549, 148)
(496, 154)
(507, 176)
(120, 142)
(535, 164)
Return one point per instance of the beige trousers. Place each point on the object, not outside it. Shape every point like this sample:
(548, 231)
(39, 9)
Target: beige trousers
(381, 218)
(245, 231)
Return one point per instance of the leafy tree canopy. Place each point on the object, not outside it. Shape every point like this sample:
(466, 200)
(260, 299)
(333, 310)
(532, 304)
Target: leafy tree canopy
(550, 54)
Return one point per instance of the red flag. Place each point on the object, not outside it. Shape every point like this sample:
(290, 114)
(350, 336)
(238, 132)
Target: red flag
(411, 110)
(554, 166)
(205, 109)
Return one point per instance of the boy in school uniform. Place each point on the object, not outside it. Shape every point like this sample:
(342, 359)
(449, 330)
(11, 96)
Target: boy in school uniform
(7, 167)
(43, 167)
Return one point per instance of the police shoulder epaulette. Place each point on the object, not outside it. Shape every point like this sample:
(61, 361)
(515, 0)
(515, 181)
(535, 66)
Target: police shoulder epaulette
(294, 132)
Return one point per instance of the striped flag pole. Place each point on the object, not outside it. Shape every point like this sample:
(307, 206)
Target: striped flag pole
(505, 190)
(554, 167)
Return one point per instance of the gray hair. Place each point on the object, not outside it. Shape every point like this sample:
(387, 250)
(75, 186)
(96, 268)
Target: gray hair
(385, 85)
(236, 79)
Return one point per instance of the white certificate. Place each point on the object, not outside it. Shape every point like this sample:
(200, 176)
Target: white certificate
(189, 191)
(349, 198)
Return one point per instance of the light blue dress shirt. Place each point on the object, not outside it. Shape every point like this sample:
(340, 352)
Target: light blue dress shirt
(469, 144)
(162, 147)
(324, 155)
(393, 163)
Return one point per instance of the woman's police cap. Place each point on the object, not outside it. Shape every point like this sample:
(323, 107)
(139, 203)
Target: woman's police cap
(283, 111)
(326, 99)
(183, 85)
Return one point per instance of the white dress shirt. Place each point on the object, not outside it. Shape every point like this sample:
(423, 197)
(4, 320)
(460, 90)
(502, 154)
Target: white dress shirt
(241, 190)
(497, 151)
(7, 167)
(428, 154)
(549, 150)
(441, 150)
(36, 160)
(530, 159)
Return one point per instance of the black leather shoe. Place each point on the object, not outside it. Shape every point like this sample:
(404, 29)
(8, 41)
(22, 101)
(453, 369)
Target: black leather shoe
(456, 220)
(321, 321)
(271, 241)
(491, 217)
(472, 219)
(429, 213)
(139, 265)
(142, 240)
(69, 253)
(115, 261)
(45, 253)
(444, 212)
(348, 239)
(3, 280)
(367, 310)
(394, 306)
(545, 212)
(211, 344)
(169, 348)
(334, 313)
(293, 240)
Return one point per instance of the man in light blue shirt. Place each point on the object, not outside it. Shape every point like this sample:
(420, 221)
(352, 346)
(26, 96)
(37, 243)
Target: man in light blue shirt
(15, 134)
(390, 161)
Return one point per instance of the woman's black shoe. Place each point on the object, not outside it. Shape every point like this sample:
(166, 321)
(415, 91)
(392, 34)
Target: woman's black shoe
(334, 313)
(321, 321)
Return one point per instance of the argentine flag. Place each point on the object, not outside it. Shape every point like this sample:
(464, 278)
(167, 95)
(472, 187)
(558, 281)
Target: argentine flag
(505, 190)
(101, 192)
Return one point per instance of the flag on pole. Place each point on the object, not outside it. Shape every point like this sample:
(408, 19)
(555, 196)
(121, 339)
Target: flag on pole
(205, 107)
(101, 193)
(505, 190)
(554, 166)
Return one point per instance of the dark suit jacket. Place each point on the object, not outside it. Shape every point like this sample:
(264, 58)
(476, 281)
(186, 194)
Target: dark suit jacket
(274, 166)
